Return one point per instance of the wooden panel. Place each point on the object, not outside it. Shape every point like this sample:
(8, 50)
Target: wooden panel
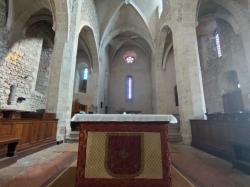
(7, 130)
(218, 136)
(3, 151)
(33, 133)
(77, 107)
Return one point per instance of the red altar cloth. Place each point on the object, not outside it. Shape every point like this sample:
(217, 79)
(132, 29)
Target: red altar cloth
(123, 154)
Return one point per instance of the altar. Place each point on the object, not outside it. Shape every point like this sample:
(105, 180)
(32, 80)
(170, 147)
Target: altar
(123, 150)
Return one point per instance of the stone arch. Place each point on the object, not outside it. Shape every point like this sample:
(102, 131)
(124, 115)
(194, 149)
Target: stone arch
(119, 70)
(57, 9)
(164, 48)
(165, 75)
(44, 15)
(223, 14)
(138, 10)
(31, 61)
(107, 36)
(116, 32)
(87, 54)
(39, 26)
(90, 45)
(232, 7)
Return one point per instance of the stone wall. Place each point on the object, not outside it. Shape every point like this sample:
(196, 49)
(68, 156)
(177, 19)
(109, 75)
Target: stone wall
(44, 71)
(140, 70)
(88, 98)
(3, 13)
(19, 65)
(167, 82)
(43, 30)
(89, 18)
(214, 69)
(3, 30)
(19, 69)
(3, 43)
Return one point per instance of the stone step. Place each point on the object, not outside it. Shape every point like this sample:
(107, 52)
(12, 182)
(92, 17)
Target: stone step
(74, 134)
(72, 137)
(175, 138)
(69, 139)
(174, 134)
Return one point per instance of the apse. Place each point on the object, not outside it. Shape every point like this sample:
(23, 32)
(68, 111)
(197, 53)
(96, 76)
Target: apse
(130, 79)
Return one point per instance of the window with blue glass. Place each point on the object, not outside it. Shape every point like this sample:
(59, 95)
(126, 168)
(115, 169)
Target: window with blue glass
(129, 88)
(84, 75)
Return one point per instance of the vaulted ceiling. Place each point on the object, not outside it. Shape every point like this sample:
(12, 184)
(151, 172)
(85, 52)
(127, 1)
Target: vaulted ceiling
(132, 13)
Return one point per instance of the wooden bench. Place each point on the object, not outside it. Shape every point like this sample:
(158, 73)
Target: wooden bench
(241, 159)
(8, 151)
(11, 144)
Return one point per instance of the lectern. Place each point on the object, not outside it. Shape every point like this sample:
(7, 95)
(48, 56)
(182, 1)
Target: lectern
(123, 150)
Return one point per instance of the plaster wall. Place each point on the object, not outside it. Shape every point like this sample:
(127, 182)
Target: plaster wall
(141, 73)
(90, 97)
(167, 82)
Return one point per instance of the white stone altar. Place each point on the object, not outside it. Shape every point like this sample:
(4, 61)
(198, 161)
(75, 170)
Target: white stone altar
(124, 118)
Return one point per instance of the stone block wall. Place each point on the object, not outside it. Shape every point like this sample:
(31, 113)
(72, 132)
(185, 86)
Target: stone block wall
(44, 71)
(214, 69)
(18, 68)
(3, 43)
(3, 13)
(167, 82)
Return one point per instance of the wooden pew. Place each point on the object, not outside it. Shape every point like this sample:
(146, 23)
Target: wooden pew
(26, 133)
(226, 136)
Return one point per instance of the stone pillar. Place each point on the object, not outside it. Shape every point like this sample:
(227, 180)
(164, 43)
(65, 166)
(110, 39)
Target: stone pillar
(61, 86)
(56, 64)
(188, 77)
(156, 79)
(241, 45)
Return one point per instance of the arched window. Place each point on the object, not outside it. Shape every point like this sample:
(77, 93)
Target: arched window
(129, 88)
(84, 75)
(218, 44)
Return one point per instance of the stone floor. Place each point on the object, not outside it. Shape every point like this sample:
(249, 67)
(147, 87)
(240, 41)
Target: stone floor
(206, 170)
(39, 168)
(202, 169)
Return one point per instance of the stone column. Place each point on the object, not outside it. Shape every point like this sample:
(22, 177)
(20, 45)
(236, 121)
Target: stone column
(157, 78)
(188, 77)
(56, 64)
(241, 57)
(63, 71)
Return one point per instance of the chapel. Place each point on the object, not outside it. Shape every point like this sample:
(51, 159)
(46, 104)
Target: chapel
(124, 93)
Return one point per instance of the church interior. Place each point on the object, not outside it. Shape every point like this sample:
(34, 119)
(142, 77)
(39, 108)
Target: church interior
(126, 93)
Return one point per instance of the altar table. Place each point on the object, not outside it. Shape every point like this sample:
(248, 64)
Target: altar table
(123, 150)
